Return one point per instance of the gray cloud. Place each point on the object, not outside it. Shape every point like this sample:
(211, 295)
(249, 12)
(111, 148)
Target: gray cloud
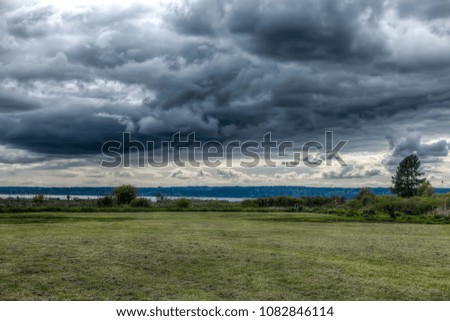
(228, 173)
(16, 156)
(412, 144)
(72, 79)
(424, 10)
(308, 30)
(30, 22)
(186, 174)
(11, 102)
(352, 172)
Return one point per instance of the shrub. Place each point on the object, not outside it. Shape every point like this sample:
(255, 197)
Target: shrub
(443, 204)
(183, 203)
(39, 198)
(368, 213)
(365, 196)
(140, 202)
(387, 204)
(391, 210)
(215, 204)
(425, 189)
(275, 201)
(394, 205)
(249, 203)
(294, 202)
(124, 194)
(318, 201)
(420, 205)
(105, 201)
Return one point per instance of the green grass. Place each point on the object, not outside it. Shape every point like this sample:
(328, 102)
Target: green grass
(219, 256)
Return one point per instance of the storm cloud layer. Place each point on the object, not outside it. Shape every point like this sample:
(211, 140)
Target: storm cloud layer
(376, 73)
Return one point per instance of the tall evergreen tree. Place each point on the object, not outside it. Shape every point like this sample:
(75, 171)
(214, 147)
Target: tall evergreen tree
(406, 178)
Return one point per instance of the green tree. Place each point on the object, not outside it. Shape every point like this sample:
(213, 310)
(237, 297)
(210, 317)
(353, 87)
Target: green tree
(406, 178)
(365, 196)
(124, 194)
(425, 189)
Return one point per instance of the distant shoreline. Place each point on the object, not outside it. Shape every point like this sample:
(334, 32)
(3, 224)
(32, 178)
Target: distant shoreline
(231, 193)
(94, 197)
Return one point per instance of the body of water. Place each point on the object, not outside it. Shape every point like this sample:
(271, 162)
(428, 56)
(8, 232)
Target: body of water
(202, 192)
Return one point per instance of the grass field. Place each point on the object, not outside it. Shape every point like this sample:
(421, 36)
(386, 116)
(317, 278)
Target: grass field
(219, 256)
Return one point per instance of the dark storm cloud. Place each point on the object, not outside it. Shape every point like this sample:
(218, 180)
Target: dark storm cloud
(411, 144)
(424, 9)
(201, 18)
(304, 30)
(59, 132)
(72, 79)
(33, 23)
(10, 102)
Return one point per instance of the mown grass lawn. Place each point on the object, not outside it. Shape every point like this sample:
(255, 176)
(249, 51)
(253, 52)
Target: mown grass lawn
(219, 256)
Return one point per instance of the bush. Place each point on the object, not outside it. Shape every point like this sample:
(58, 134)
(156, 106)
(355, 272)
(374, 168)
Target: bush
(124, 194)
(140, 202)
(425, 189)
(294, 202)
(249, 203)
(38, 199)
(368, 213)
(319, 201)
(105, 201)
(275, 201)
(394, 205)
(365, 196)
(353, 204)
(183, 203)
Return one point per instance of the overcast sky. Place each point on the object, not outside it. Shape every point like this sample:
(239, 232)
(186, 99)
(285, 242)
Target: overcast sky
(376, 73)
